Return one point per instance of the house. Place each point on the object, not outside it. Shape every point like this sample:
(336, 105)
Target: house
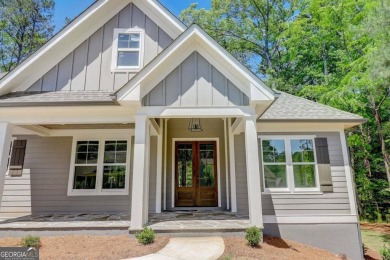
(128, 110)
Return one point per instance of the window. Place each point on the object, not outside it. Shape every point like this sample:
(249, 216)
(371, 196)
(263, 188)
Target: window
(289, 164)
(99, 167)
(127, 50)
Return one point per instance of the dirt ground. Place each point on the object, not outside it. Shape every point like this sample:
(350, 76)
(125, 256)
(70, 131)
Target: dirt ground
(273, 248)
(91, 247)
(383, 228)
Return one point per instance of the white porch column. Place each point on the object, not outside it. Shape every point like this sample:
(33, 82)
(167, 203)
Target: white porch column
(139, 199)
(159, 166)
(5, 143)
(253, 172)
(232, 162)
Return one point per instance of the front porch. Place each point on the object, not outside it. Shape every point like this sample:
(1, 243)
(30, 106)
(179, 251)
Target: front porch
(167, 222)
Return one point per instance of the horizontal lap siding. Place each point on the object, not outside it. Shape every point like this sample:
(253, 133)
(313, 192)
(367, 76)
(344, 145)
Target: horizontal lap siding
(16, 200)
(315, 204)
(88, 67)
(241, 178)
(48, 160)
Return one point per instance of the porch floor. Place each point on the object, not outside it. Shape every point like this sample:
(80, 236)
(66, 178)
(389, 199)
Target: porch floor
(166, 222)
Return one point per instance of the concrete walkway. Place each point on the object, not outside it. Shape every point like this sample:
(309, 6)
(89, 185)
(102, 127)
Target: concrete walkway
(189, 248)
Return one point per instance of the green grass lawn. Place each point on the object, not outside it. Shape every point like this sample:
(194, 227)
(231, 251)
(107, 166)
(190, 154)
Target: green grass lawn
(375, 240)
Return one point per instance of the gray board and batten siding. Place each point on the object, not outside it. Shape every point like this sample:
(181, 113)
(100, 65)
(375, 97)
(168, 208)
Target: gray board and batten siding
(195, 82)
(44, 189)
(88, 67)
(327, 203)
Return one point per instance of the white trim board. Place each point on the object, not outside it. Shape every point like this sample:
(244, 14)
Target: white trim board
(313, 219)
(216, 139)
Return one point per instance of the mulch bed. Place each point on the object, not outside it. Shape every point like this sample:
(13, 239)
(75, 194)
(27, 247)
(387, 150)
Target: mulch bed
(383, 228)
(273, 248)
(91, 247)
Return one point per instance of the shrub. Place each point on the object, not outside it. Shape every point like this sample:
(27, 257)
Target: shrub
(254, 236)
(365, 249)
(31, 241)
(385, 253)
(145, 236)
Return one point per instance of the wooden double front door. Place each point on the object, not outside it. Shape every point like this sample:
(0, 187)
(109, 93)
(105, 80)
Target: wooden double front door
(196, 174)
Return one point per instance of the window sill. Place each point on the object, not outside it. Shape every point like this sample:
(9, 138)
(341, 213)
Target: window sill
(135, 70)
(97, 193)
(291, 192)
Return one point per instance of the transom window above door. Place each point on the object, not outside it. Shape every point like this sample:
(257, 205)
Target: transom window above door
(127, 51)
(289, 164)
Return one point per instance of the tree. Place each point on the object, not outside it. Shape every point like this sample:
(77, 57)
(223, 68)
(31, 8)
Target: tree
(248, 29)
(25, 26)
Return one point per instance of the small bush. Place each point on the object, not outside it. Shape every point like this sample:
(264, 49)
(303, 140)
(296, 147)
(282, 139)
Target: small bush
(31, 241)
(365, 249)
(146, 236)
(254, 236)
(385, 253)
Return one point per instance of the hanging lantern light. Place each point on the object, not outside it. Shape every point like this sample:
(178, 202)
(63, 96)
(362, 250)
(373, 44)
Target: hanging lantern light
(195, 125)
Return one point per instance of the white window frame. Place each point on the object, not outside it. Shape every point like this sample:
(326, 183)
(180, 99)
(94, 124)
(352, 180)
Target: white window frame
(100, 165)
(115, 50)
(289, 164)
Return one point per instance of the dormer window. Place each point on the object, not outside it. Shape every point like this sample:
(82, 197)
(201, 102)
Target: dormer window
(127, 50)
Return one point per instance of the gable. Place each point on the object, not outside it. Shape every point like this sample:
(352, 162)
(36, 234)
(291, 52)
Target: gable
(194, 39)
(75, 34)
(195, 82)
(88, 67)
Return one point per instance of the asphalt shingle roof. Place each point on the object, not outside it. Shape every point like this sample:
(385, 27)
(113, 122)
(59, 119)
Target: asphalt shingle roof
(289, 107)
(56, 98)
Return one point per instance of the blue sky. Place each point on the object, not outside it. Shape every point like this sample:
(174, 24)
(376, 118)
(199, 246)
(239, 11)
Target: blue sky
(71, 8)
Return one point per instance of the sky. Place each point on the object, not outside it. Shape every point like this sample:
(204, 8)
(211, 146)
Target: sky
(71, 8)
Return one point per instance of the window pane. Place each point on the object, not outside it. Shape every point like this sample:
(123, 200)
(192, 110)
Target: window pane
(302, 150)
(275, 176)
(114, 177)
(134, 40)
(184, 165)
(115, 152)
(206, 167)
(274, 151)
(123, 40)
(128, 58)
(87, 152)
(84, 177)
(304, 176)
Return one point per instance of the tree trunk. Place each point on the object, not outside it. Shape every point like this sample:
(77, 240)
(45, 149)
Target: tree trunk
(386, 159)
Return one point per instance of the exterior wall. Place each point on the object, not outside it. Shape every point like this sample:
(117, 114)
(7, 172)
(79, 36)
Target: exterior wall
(88, 67)
(16, 200)
(335, 203)
(195, 82)
(48, 160)
(337, 238)
(212, 128)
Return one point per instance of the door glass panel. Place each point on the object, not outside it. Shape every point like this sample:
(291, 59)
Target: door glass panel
(206, 166)
(184, 165)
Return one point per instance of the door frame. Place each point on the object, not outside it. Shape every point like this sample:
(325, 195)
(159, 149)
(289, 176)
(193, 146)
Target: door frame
(213, 139)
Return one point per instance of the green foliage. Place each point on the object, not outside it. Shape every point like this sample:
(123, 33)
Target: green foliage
(24, 27)
(254, 236)
(145, 236)
(385, 253)
(31, 241)
(336, 52)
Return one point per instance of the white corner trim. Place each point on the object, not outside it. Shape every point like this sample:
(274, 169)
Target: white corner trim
(159, 165)
(225, 138)
(216, 139)
(98, 136)
(232, 162)
(310, 219)
(348, 174)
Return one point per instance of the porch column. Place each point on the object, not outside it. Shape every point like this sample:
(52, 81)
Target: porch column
(159, 166)
(5, 143)
(253, 172)
(140, 191)
(232, 158)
